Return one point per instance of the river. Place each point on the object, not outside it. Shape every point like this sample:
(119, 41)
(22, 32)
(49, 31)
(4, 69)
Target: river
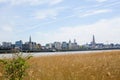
(8, 55)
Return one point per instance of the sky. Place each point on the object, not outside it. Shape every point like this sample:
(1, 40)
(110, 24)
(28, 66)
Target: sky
(47, 21)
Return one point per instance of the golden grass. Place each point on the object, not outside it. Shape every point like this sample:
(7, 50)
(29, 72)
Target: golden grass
(96, 66)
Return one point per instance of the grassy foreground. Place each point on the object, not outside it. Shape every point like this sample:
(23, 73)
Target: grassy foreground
(97, 66)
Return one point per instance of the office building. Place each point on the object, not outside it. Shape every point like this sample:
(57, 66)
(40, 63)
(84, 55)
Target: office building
(19, 44)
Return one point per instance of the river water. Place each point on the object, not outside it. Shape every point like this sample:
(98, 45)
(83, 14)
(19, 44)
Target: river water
(54, 53)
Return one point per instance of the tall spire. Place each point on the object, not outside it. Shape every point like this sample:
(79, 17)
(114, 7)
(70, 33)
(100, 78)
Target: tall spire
(74, 40)
(93, 39)
(69, 41)
(30, 39)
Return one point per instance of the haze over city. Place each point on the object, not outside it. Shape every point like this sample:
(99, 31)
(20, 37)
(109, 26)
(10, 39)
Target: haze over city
(60, 20)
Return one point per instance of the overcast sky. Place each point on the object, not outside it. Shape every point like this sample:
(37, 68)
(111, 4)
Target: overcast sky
(60, 20)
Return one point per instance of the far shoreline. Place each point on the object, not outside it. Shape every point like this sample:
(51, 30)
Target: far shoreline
(10, 51)
(40, 54)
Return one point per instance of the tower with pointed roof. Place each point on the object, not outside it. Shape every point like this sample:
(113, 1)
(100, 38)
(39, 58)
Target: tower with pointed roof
(30, 39)
(93, 42)
(93, 39)
(30, 44)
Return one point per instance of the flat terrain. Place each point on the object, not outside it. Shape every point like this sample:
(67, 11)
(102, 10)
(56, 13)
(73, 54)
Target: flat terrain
(96, 66)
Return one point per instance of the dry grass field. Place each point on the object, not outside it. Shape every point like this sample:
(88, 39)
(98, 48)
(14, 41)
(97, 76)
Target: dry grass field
(96, 66)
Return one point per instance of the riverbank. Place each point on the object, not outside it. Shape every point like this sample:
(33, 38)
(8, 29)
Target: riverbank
(41, 51)
(38, 54)
(97, 66)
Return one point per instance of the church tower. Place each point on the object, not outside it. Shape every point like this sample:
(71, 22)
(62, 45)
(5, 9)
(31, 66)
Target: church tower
(93, 42)
(30, 39)
(93, 39)
(30, 44)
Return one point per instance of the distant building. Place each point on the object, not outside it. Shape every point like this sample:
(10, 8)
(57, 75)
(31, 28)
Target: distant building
(76, 46)
(49, 46)
(70, 45)
(30, 45)
(57, 45)
(26, 46)
(38, 46)
(73, 46)
(30, 39)
(117, 45)
(6, 44)
(93, 43)
(19, 44)
(64, 46)
(99, 46)
(34, 46)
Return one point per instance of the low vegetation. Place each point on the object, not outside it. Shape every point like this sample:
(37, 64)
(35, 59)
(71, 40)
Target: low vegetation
(14, 68)
(95, 66)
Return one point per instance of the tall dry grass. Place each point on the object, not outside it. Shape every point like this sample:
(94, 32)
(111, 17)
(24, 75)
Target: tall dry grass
(96, 66)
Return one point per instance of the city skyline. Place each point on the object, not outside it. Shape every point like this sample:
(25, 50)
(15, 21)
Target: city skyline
(55, 46)
(92, 41)
(60, 20)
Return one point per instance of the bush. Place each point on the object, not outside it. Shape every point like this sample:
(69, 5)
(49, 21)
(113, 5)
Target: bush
(15, 68)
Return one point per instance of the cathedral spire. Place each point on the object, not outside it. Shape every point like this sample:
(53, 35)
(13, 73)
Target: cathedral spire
(93, 42)
(74, 40)
(93, 39)
(69, 41)
(30, 39)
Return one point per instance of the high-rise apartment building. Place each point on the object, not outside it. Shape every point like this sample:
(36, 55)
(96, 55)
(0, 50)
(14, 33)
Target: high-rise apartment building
(19, 44)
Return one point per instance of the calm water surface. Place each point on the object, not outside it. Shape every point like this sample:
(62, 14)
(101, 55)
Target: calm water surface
(54, 53)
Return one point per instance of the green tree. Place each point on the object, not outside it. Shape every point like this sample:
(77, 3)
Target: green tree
(15, 68)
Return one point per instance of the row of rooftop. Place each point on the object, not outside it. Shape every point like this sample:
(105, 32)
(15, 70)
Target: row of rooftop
(56, 46)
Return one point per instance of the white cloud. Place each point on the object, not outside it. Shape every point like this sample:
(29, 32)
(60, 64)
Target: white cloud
(94, 12)
(31, 2)
(2, 1)
(48, 13)
(51, 13)
(6, 32)
(104, 30)
(101, 0)
(7, 28)
(53, 2)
